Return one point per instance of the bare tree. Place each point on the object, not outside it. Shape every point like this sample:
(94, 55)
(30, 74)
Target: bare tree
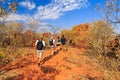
(54, 29)
(33, 25)
(112, 11)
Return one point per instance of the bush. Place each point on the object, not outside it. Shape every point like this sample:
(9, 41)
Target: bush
(97, 36)
(102, 45)
(1, 56)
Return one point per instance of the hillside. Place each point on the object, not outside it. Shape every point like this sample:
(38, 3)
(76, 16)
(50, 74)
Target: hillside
(71, 65)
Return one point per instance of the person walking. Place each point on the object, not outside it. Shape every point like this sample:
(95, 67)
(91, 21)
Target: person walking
(40, 46)
(58, 43)
(52, 45)
(63, 42)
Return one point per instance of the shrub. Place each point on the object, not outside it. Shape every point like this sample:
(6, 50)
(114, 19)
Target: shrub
(101, 40)
(97, 36)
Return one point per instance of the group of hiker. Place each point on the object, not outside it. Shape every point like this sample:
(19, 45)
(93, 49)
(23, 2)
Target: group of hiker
(55, 45)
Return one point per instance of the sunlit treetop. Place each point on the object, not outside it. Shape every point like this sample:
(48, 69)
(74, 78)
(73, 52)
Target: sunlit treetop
(11, 6)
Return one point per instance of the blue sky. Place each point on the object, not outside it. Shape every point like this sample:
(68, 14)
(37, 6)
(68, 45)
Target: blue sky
(78, 16)
(63, 13)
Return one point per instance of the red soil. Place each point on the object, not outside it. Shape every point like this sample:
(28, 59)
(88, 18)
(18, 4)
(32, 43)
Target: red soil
(71, 65)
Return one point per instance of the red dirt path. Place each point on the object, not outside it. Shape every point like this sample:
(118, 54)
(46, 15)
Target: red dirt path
(71, 65)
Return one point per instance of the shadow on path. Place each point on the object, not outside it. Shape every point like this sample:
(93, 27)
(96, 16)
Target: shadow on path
(49, 57)
(24, 62)
(19, 64)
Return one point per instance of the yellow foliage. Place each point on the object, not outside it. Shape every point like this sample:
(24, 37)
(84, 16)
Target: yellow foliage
(97, 36)
(2, 54)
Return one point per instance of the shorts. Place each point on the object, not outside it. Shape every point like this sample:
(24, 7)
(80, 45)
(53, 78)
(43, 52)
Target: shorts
(52, 46)
(39, 53)
(58, 44)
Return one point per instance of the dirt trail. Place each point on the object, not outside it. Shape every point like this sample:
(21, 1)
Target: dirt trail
(71, 65)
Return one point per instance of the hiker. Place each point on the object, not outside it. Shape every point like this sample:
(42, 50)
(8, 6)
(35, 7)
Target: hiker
(58, 43)
(43, 43)
(52, 45)
(63, 42)
(40, 45)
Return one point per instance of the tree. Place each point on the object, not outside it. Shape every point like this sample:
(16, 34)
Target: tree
(14, 32)
(111, 11)
(11, 7)
(33, 27)
(54, 30)
(28, 38)
(2, 33)
(98, 35)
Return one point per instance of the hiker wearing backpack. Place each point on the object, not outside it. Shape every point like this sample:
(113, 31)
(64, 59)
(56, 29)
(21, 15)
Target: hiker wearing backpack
(40, 45)
(63, 42)
(52, 45)
(58, 43)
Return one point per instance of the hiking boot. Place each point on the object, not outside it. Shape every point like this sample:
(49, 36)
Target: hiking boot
(39, 64)
(66, 50)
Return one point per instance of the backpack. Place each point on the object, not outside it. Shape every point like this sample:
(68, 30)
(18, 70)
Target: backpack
(63, 41)
(39, 45)
(51, 42)
(58, 41)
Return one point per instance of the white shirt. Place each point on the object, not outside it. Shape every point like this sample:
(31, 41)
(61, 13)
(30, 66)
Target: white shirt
(53, 41)
(36, 42)
(42, 42)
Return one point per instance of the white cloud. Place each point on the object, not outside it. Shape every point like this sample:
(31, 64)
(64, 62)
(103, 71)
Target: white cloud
(57, 8)
(27, 4)
(15, 17)
(53, 10)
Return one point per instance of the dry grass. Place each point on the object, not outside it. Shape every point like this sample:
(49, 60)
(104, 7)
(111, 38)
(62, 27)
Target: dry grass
(109, 64)
(10, 54)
